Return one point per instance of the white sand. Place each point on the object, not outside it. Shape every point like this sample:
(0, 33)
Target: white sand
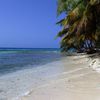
(75, 78)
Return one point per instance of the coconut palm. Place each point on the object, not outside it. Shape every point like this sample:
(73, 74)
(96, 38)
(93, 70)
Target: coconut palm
(82, 23)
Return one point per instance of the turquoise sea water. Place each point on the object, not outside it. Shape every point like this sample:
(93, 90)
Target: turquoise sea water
(14, 59)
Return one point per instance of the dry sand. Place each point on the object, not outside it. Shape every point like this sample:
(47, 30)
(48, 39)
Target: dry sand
(79, 81)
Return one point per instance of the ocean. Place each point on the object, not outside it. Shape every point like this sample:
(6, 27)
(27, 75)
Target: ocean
(20, 69)
(14, 59)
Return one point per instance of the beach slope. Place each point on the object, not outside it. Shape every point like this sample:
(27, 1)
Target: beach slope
(78, 81)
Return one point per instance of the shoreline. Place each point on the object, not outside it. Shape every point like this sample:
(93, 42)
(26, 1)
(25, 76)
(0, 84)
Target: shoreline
(22, 84)
(78, 82)
(17, 84)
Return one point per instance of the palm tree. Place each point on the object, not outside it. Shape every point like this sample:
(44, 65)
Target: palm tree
(81, 26)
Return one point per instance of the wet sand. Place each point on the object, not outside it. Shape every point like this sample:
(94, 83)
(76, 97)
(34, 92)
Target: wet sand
(77, 79)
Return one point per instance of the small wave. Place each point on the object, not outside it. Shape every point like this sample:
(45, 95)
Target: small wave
(24, 94)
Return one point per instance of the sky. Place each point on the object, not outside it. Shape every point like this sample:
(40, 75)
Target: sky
(28, 23)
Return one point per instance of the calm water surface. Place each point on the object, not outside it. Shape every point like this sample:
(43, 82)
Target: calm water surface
(12, 60)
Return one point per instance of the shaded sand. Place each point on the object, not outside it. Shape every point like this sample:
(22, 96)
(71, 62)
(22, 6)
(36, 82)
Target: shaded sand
(78, 80)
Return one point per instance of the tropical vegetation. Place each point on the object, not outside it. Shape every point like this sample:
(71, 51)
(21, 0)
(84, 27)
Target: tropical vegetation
(81, 25)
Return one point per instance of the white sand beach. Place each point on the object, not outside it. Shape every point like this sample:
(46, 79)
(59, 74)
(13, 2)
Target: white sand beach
(72, 78)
